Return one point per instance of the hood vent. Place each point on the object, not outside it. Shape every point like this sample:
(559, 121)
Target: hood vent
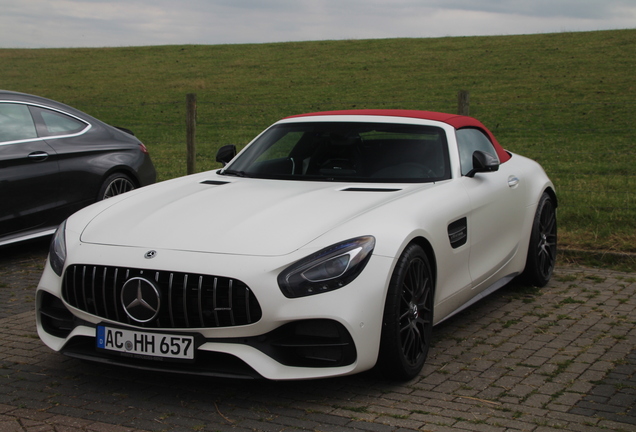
(360, 189)
(214, 182)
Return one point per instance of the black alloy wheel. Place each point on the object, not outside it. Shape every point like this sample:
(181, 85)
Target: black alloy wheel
(408, 316)
(542, 250)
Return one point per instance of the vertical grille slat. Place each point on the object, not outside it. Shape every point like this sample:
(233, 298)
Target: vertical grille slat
(93, 290)
(214, 303)
(115, 294)
(84, 288)
(247, 305)
(104, 274)
(229, 300)
(125, 314)
(157, 280)
(170, 308)
(187, 300)
(75, 291)
(200, 300)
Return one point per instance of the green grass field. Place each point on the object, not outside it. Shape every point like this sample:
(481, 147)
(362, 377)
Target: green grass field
(566, 100)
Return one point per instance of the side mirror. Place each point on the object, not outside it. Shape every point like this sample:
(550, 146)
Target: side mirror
(483, 162)
(226, 153)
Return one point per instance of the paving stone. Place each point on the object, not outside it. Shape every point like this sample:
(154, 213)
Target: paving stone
(511, 369)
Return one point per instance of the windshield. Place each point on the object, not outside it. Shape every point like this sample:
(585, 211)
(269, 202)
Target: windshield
(346, 151)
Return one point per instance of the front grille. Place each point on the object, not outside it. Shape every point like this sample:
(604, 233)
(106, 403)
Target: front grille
(186, 300)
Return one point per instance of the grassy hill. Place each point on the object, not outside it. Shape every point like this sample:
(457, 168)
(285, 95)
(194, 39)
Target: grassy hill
(566, 100)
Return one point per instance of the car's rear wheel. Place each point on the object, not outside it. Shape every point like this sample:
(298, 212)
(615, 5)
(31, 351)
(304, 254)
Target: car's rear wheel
(115, 184)
(542, 249)
(408, 316)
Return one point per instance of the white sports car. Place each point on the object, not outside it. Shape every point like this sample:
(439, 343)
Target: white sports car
(331, 244)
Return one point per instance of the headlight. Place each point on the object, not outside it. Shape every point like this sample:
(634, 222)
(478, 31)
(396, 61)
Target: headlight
(328, 269)
(57, 250)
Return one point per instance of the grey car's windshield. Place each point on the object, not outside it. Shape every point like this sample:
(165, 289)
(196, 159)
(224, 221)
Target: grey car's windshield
(347, 151)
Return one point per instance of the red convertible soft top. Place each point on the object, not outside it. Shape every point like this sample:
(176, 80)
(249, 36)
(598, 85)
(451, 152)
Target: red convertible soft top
(457, 121)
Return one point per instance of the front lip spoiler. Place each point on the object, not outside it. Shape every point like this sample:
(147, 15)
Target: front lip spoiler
(225, 365)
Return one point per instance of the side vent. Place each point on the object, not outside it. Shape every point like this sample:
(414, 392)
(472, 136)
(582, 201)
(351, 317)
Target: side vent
(458, 233)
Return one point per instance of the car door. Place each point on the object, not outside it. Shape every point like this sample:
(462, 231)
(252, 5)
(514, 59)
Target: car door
(29, 172)
(78, 156)
(497, 209)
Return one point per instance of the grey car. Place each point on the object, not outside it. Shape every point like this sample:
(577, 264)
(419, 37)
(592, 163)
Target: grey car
(55, 160)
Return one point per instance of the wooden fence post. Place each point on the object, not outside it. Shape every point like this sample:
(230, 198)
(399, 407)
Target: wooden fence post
(191, 131)
(463, 102)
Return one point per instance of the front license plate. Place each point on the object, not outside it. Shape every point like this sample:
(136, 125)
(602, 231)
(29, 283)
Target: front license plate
(143, 343)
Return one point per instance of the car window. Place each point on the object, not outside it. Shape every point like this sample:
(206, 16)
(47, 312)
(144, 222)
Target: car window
(57, 123)
(468, 141)
(350, 151)
(16, 123)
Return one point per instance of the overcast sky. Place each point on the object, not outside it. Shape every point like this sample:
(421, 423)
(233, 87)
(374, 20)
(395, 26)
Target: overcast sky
(100, 23)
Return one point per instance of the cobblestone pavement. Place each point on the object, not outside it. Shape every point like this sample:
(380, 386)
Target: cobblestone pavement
(559, 358)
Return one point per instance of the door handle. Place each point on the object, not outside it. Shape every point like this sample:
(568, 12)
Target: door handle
(38, 156)
(513, 181)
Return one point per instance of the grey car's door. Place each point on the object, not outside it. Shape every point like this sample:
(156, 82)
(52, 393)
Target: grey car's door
(29, 172)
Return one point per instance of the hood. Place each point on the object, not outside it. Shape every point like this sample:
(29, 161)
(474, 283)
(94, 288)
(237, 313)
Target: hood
(235, 216)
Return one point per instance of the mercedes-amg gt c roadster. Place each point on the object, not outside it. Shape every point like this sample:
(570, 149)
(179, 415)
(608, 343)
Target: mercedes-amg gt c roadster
(331, 244)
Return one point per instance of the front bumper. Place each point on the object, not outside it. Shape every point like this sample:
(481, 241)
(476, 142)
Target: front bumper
(329, 334)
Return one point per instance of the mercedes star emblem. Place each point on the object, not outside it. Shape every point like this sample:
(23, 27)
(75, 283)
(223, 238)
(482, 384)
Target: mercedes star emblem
(140, 299)
(150, 254)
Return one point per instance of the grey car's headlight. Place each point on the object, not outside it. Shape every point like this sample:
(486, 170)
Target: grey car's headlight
(328, 269)
(57, 250)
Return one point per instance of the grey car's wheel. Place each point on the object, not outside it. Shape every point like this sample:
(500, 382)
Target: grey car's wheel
(115, 184)
(542, 249)
(408, 316)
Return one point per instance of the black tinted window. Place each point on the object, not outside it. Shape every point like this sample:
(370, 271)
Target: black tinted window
(16, 123)
(56, 123)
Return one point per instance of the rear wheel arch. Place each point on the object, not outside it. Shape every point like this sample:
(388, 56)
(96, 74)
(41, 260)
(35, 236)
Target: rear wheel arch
(552, 196)
(123, 169)
(542, 245)
(115, 173)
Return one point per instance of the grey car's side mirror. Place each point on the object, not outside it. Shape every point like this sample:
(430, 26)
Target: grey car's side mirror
(483, 162)
(226, 153)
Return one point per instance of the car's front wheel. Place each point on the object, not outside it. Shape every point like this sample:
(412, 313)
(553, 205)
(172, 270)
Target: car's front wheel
(542, 249)
(115, 184)
(408, 316)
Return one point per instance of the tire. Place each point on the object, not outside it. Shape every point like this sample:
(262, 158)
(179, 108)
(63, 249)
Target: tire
(115, 184)
(408, 316)
(542, 250)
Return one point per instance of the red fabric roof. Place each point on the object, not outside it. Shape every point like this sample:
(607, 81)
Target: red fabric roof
(455, 120)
